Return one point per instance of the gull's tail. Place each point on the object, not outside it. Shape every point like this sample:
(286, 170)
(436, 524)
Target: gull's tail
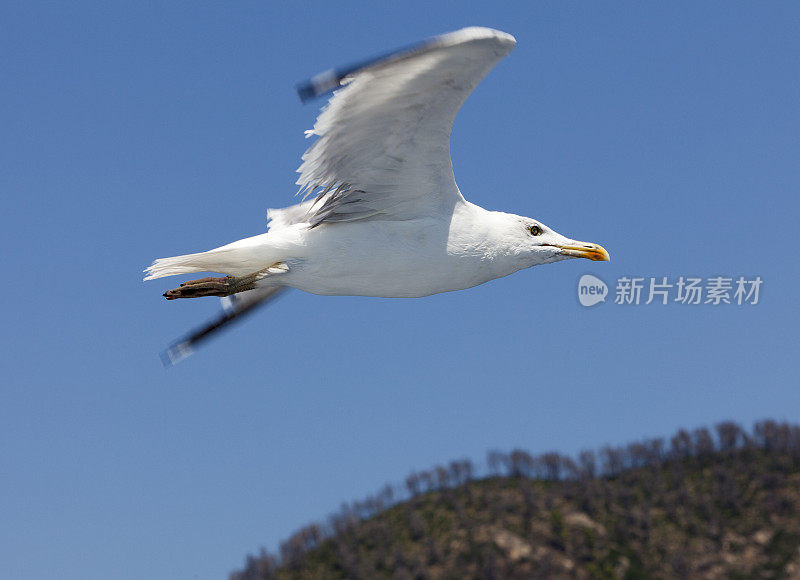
(187, 264)
(235, 259)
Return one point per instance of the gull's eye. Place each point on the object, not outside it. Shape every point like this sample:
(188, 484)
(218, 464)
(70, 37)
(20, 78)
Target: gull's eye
(535, 230)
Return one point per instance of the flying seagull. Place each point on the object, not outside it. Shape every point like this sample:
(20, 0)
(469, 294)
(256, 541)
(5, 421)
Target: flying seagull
(381, 213)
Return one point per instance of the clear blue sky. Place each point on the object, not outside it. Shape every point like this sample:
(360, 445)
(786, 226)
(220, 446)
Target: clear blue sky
(670, 134)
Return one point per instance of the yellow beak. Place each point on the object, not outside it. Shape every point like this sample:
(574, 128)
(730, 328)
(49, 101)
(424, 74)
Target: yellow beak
(584, 250)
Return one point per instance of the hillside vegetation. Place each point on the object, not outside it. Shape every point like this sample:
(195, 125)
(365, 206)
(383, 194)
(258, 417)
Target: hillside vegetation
(704, 504)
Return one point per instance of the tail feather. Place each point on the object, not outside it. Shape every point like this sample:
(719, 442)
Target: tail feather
(187, 264)
(235, 259)
(222, 260)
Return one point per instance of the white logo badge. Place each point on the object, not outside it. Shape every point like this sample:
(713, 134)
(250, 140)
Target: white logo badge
(591, 290)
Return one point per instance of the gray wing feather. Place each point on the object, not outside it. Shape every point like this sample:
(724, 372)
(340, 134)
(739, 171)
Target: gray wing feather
(383, 140)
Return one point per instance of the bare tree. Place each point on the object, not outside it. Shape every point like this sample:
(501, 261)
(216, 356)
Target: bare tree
(551, 463)
(413, 483)
(613, 460)
(442, 477)
(569, 469)
(765, 434)
(521, 463)
(426, 477)
(497, 461)
(729, 435)
(588, 463)
(637, 454)
(702, 441)
(681, 444)
(655, 450)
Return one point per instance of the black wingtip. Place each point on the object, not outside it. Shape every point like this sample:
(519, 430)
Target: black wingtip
(330, 80)
(176, 353)
(306, 92)
(319, 85)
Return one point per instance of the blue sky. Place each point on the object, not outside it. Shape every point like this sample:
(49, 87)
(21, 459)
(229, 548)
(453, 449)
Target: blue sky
(670, 134)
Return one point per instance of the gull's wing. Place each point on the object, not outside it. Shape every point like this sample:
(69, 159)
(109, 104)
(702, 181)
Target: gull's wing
(233, 308)
(383, 146)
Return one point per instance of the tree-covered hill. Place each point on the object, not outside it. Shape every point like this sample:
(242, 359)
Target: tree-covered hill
(704, 504)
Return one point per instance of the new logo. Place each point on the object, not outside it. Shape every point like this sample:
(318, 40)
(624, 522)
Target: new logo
(591, 290)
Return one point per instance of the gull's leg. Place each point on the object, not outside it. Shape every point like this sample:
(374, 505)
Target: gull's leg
(224, 286)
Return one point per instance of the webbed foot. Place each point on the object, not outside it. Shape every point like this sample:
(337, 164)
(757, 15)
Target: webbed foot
(224, 286)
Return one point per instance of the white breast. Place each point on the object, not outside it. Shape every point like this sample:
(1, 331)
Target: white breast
(397, 259)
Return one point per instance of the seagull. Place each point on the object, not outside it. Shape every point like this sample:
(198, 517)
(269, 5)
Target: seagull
(381, 214)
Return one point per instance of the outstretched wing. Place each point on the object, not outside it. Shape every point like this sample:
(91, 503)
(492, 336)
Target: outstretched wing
(383, 147)
(233, 308)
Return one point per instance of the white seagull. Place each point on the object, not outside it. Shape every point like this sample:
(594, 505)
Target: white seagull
(384, 216)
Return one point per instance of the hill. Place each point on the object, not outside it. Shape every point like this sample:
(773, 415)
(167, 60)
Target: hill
(725, 505)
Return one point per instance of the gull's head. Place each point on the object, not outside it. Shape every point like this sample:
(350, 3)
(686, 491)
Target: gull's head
(534, 243)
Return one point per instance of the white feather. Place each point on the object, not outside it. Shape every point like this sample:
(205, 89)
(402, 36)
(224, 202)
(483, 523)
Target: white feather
(385, 136)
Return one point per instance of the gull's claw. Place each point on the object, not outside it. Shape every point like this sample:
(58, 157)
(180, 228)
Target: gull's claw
(224, 286)
(211, 287)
